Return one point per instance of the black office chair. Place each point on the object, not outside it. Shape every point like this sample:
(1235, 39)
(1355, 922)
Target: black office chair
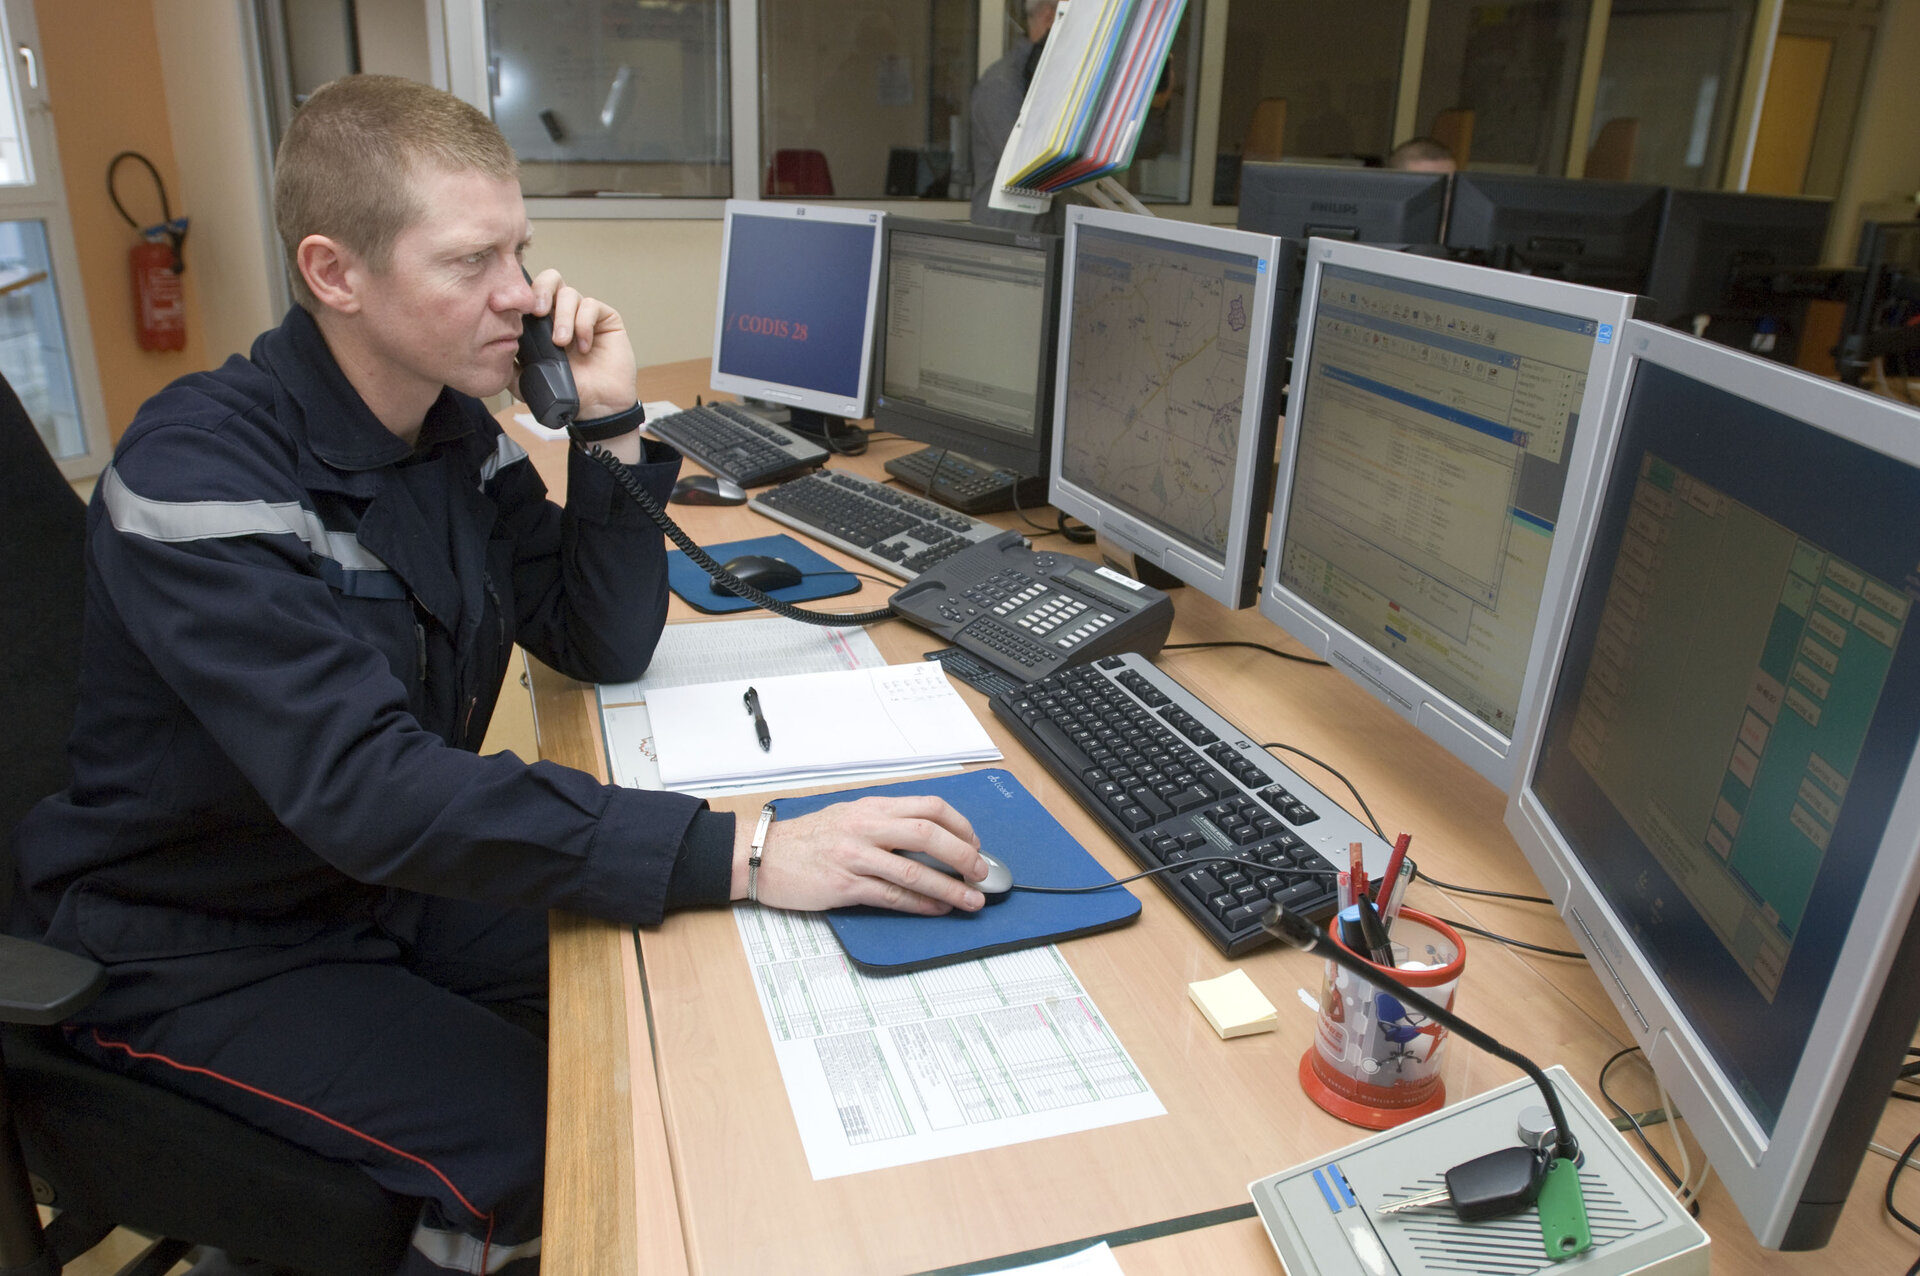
(105, 1150)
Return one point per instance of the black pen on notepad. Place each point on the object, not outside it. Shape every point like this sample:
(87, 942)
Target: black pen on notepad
(759, 720)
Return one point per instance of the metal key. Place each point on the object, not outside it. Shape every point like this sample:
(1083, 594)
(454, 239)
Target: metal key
(1490, 1186)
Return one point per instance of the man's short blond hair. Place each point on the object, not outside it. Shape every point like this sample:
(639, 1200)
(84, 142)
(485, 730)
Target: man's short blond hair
(347, 164)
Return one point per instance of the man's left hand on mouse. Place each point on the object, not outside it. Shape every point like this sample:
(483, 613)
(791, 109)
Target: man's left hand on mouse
(844, 854)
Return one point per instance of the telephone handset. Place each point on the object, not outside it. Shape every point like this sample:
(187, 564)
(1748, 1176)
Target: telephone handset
(546, 378)
(546, 384)
(1030, 613)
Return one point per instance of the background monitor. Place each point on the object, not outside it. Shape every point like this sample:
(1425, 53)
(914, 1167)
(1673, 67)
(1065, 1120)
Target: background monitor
(798, 284)
(1717, 249)
(1167, 392)
(1441, 442)
(967, 341)
(1587, 232)
(1883, 316)
(1719, 789)
(1371, 205)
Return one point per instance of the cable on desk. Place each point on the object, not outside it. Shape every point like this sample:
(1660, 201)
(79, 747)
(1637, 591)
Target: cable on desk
(1081, 535)
(1431, 880)
(1693, 1206)
(1256, 646)
(1893, 1209)
(1374, 823)
(1038, 528)
(1513, 943)
(847, 571)
(1178, 866)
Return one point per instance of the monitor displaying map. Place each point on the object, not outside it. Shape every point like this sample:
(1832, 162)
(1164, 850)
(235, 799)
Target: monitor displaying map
(1165, 411)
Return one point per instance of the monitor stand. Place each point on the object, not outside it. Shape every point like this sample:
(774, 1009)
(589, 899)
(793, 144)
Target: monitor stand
(831, 432)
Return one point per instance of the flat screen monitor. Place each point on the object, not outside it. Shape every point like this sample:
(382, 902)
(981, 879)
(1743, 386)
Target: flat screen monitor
(1587, 232)
(798, 284)
(1167, 392)
(1718, 249)
(1370, 205)
(1883, 315)
(1719, 789)
(1436, 471)
(967, 341)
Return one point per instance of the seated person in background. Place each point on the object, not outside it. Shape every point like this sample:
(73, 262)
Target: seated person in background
(995, 105)
(319, 908)
(1422, 155)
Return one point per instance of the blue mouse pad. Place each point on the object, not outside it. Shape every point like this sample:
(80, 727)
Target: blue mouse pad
(696, 587)
(1015, 829)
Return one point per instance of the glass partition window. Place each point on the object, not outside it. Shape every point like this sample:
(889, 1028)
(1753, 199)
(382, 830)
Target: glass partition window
(1516, 67)
(33, 347)
(1324, 78)
(618, 99)
(1670, 77)
(866, 99)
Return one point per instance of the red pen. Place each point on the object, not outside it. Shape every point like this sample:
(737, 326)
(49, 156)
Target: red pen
(1357, 866)
(1400, 845)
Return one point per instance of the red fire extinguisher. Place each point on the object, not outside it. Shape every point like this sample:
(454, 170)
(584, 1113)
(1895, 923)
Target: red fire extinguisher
(159, 308)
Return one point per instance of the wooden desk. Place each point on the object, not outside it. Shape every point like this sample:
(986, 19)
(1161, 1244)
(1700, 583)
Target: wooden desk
(671, 1145)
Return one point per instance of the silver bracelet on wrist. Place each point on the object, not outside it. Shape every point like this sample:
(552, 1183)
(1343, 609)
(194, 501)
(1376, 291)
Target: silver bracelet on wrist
(755, 851)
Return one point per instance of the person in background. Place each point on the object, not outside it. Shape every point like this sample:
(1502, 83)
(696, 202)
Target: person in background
(995, 105)
(1422, 155)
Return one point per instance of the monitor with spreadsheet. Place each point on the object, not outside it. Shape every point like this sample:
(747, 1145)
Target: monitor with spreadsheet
(966, 340)
(1167, 392)
(1588, 232)
(1440, 445)
(798, 284)
(1371, 205)
(1718, 785)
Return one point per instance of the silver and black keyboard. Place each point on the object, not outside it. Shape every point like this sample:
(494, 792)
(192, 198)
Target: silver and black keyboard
(736, 444)
(1173, 781)
(900, 534)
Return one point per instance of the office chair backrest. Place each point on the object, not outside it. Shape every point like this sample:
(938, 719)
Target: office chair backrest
(42, 537)
(1266, 131)
(799, 172)
(1453, 129)
(1611, 158)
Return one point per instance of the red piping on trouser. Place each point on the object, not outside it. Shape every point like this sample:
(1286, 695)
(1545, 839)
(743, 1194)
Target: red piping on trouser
(103, 1043)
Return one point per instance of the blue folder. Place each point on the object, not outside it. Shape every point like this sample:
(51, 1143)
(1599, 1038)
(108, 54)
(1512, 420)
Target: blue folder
(696, 587)
(1015, 829)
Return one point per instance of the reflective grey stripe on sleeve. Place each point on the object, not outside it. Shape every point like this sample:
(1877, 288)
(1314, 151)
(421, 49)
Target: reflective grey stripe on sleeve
(505, 454)
(459, 1252)
(344, 561)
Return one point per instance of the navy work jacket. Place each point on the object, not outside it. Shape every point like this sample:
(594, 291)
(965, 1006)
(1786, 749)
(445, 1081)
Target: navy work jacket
(296, 628)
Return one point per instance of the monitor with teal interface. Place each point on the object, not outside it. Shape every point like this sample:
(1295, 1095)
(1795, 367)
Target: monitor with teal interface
(1719, 787)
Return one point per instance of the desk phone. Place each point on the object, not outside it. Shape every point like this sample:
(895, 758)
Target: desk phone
(1032, 613)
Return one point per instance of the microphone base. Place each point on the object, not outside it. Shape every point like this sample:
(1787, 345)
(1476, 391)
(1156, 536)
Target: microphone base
(1321, 1215)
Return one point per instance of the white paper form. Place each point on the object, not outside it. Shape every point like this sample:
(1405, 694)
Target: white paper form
(692, 652)
(890, 1070)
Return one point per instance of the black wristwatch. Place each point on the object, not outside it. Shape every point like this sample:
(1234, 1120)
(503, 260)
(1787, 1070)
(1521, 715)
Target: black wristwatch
(600, 429)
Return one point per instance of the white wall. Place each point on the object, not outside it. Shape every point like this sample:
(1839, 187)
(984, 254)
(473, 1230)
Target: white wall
(210, 110)
(660, 275)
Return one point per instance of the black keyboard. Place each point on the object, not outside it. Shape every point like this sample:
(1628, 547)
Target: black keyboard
(736, 444)
(971, 486)
(1172, 780)
(902, 535)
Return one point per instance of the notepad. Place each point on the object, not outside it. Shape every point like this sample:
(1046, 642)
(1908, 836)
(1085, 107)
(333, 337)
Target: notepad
(821, 725)
(1233, 1005)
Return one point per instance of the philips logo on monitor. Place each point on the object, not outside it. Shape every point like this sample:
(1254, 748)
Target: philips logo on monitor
(795, 302)
(1334, 206)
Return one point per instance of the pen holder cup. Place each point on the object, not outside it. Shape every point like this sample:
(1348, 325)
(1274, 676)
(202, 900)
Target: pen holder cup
(1375, 1061)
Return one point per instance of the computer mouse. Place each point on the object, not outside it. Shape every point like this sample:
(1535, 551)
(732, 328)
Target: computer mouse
(763, 571)
(707, 489)
(997, 885)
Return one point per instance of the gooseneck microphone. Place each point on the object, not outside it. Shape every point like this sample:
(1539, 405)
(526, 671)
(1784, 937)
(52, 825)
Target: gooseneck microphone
(1304, 935)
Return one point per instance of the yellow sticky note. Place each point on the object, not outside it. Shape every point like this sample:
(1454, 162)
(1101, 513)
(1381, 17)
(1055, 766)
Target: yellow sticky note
(1232, 1004)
